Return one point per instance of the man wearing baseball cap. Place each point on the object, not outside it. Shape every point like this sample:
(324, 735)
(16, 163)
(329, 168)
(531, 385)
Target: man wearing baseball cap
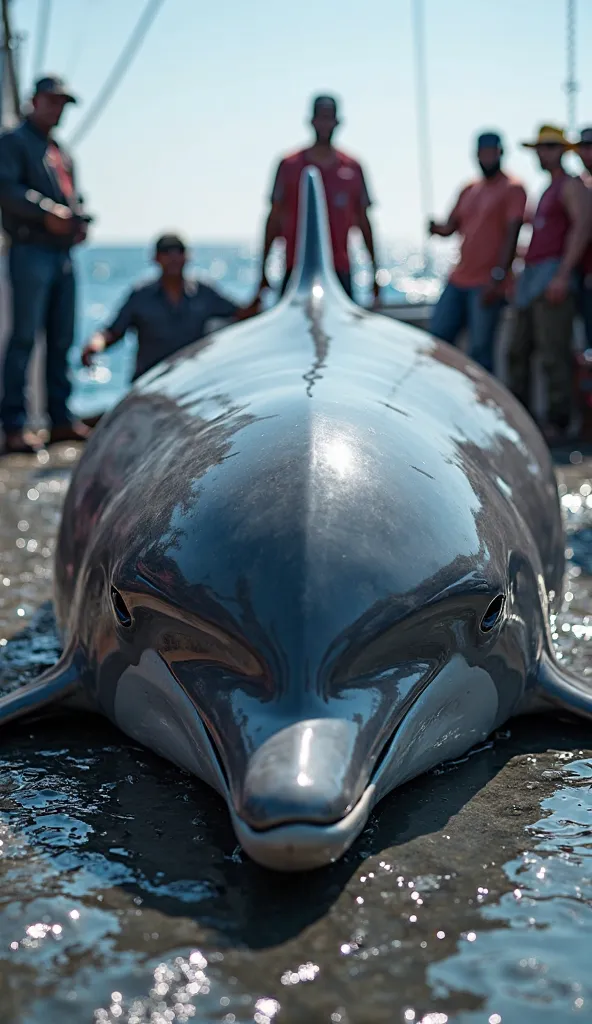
(546, 291)
(488, 214)
(584, 151)
(345, 190)
(166, 314)
(43, 217)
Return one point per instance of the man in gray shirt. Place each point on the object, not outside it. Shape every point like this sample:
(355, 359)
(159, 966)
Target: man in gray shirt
(166, 314)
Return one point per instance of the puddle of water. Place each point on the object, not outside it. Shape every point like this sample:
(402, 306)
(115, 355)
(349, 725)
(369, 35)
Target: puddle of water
(123, 896)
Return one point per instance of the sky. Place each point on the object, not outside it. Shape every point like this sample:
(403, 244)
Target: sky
(219, 91)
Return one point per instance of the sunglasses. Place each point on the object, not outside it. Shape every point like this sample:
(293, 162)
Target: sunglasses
(171, 248)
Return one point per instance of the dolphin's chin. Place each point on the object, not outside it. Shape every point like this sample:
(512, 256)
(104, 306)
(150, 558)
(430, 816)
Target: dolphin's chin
(302, 846)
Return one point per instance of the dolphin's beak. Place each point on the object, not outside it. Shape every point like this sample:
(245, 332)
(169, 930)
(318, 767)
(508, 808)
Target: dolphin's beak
(305, 795)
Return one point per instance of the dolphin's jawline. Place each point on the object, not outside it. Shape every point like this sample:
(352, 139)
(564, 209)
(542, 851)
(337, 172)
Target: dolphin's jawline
(300, 846)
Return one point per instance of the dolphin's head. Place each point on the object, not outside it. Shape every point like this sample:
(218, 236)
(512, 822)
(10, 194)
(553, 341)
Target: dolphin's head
(305, 666)
(338, 604)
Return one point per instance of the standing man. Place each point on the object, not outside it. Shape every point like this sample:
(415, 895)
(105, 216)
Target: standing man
(167, 314)
(345, 188)
(546, 291)
(584, 151)
(43, 218)
(488, 214)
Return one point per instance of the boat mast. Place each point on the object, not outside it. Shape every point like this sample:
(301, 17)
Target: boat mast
(571, 84)
(423, 129)
(10, 108)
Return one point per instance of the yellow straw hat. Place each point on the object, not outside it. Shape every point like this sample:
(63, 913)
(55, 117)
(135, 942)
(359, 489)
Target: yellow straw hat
(549, 133)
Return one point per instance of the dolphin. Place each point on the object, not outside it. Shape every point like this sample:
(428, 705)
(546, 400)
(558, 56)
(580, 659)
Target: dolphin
(307, 559)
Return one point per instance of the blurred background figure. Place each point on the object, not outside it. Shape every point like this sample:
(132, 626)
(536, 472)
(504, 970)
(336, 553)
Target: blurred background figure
(546, 291)
(43, 216)
(166, 314)
(347, 196)
(584, 151)
(488, 214)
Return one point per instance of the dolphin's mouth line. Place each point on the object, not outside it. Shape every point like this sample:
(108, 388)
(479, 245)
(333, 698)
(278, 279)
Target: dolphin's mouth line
(314, 826)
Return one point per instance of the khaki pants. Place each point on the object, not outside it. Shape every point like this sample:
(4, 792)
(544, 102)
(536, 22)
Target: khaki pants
(546, 329)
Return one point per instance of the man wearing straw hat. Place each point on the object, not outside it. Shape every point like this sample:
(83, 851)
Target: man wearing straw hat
(546, 291)
(584, 150)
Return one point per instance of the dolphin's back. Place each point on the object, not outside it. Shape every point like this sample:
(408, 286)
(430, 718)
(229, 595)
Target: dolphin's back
(332, 433)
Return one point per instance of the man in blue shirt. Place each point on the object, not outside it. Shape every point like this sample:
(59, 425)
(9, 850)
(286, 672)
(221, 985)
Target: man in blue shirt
(166, 314)
(43, 217)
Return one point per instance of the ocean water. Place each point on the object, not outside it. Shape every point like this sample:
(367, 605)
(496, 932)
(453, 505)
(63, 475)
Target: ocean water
(106, 274)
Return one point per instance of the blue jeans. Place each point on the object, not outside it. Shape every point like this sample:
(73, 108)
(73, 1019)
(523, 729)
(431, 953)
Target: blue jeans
(458, 308)
(43, 297)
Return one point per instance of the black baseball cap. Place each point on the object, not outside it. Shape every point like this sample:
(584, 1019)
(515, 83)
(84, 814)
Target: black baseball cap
(323, 101)
(55, 86)
(489, 140)
(168, 243)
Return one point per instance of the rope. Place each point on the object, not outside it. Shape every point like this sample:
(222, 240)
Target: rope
(42, 34)
(118, 71)
(423, 130)
(79, 42)
(571, 85)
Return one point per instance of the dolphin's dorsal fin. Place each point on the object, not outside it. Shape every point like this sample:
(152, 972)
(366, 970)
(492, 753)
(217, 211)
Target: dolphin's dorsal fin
(562, 688)
(59, 683)
(314, 274)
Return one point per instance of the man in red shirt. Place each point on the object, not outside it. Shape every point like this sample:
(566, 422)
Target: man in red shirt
(488, 214)
(545, 297)
(345, 189)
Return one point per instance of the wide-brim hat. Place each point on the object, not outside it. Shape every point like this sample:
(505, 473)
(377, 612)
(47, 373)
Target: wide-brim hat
(549, 133)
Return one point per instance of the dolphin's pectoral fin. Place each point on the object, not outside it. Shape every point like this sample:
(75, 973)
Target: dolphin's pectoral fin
(561, 688)
(53, 686)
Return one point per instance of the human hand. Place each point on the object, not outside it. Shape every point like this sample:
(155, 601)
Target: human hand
(558, 289)
(492, 293)
(59, 221)
(91, 349)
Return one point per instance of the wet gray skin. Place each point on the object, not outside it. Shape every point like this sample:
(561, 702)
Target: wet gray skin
(307, 560)
(124, 897)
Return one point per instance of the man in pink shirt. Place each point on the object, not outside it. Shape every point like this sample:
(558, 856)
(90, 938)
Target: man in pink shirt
(488, 215)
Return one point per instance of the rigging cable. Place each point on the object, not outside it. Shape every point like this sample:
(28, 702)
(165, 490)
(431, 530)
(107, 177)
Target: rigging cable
(42, 34)
(118, 71)
(423, 130)
(78, 44)
(571, 85)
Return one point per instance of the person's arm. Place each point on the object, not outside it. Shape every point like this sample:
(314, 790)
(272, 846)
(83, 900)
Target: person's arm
(575, 200)
(273, 225)
(514, 220)
(27, 203)
(366, 229)
(82, 225)
(221, 307)
(450, 226)
(102, 340)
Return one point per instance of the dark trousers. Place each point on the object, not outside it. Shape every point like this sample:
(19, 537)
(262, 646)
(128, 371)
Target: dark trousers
(546, 328)
(343, 275)
(460, 308)
(43, 297)
(585, 303)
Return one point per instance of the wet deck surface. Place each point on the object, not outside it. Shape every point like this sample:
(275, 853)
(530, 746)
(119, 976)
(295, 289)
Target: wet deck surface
(123, 896)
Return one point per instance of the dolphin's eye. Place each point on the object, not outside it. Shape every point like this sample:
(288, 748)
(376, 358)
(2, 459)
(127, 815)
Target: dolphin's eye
(122, 612)
(493, 613)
